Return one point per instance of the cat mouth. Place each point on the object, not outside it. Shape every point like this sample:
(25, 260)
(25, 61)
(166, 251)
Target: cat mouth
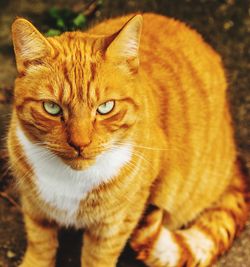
(68, 156)
(78, 162)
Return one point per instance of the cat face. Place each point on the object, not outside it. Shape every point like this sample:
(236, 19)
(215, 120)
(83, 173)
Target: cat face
(77, 94)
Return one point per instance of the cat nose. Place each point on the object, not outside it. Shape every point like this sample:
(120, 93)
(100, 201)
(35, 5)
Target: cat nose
(77, 148)
(79, 133)
(79, 145)
(79, 142)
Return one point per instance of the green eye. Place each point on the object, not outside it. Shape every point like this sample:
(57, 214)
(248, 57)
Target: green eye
(52, 108)
(106, 107)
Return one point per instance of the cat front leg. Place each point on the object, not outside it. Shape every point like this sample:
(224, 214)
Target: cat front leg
(42, 244)
(103, 243)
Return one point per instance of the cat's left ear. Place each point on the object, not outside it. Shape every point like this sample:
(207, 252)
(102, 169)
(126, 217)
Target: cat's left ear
(29, 44)
(125, 46)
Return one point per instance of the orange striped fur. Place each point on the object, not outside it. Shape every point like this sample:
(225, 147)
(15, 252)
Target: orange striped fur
(159, 169)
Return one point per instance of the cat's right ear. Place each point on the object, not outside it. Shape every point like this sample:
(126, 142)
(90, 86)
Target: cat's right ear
(29, 44)
(124, 46)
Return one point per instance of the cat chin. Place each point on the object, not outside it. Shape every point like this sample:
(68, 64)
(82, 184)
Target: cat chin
(79, 164)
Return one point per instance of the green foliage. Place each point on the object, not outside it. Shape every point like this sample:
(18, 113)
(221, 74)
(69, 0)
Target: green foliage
(52, 32)
(80, 20)
(61, 20)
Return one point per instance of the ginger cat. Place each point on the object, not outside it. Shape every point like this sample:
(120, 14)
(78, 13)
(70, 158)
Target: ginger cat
(124, 131)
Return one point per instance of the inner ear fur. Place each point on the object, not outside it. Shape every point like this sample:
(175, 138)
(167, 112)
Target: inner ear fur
(124, 45)
(29, 44)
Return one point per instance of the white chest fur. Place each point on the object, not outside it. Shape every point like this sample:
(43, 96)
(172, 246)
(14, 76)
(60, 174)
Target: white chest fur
(64, 188)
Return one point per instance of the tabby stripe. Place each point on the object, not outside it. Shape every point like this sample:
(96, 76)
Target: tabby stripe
(92, 70)
(186, 256)
(60, 91)
(236, 189)
(228, 211)
(206, 230)
(182, 101)
(181, 98)
(80, 76)
(214, 182)
(32, 126)
(51, 89)
(84, 53)
(93, 46)
(213, 236)
(196, 89)
(116, 117)
(92, 73)
(229, 226)
(145, 238)
(76, 78)
(39, 126)
(42, 121)
(88, 85)
(28, 99)
(56, 47)
(201, 246)
(78, 53)
(66, 76)
(202, 96)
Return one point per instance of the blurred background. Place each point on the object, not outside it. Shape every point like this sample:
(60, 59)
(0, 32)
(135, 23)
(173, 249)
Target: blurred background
(225, 24)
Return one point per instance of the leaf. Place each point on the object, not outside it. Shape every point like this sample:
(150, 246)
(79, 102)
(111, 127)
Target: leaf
(52, 32)
(60, 23)
(79, 21)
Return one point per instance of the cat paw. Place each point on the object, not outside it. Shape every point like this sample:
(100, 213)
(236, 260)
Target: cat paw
(189, 248)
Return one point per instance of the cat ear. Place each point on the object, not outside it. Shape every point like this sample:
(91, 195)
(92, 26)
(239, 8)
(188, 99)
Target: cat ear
(125, 46)
(29, 43)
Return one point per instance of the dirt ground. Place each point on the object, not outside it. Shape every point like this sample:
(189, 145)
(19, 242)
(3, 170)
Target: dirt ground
(224, 24)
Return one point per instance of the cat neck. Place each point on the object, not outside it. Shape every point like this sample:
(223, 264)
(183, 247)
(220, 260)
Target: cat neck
(62, 187)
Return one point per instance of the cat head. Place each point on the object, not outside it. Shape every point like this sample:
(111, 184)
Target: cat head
(77, 94)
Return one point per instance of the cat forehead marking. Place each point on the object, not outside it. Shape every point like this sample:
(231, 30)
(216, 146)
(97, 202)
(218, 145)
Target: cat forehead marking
(62, 187)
